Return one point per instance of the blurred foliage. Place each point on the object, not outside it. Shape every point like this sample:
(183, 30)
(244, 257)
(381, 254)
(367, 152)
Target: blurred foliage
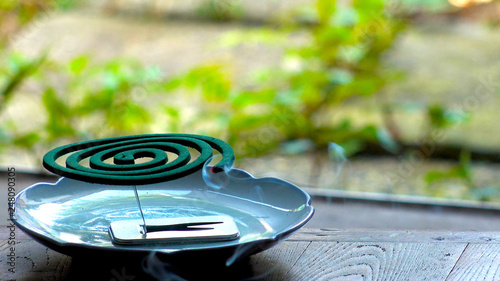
(106, 99)
(463, 173)
(441, 117)
(15, 68)
(111, 101)
(15, 14)
(409, 6)
(220, 10)
(14, 71)
(293, 107)
(339, 63)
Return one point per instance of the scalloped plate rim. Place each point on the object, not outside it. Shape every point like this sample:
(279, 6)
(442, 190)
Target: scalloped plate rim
(74, 249)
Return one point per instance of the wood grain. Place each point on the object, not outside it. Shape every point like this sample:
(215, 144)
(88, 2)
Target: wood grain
(311, 254)
(478, 262)
(376, 261)
(363, 235)
(373, 235)
(34, 262)
(278, 261)
(272, 264)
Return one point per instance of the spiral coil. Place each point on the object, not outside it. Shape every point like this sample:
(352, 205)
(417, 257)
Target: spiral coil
(124, 151)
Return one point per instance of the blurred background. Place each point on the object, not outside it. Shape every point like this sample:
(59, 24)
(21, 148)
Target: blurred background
(367, 101)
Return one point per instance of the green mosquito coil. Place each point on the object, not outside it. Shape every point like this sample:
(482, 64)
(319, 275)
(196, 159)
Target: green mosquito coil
(125, 150)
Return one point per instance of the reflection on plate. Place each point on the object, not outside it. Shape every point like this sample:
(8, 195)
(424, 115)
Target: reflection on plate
(74, 217)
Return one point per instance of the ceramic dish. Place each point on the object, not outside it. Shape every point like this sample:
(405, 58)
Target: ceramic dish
(74, 217)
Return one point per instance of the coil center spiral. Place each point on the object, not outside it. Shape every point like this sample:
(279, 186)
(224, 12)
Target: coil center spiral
(126, 150)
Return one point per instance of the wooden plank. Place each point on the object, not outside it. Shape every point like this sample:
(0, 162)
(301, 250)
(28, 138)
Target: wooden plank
(332, 254)
(376, 261)
(373, 235)
(478, 262)
(33, 262)
(36, 262)
(362, 235)
(5, 233)
(272, 264)
(276, 262)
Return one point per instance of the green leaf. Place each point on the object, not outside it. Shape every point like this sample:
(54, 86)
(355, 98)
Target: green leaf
(441, 117)
(434, 176)
(366, 85)
(325, 9)
(173, 84)
(352, 147)
(16, 61)
(436, 116)
(78, 64)
(464, 169)
(369, 133)
(27, 140)
(53, 104)
(244, 122)
(136, 114)
(173, 123)
(247, 98)
(59, 114)
(369, 9)
(172, 112)
(20, 69)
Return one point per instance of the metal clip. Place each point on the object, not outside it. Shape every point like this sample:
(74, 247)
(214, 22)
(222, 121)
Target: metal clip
(174, 230)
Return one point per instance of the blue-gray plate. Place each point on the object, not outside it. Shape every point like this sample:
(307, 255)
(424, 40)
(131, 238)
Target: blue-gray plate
(73, 217)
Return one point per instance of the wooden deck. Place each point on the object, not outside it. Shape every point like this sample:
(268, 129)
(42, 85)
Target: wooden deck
(311, 254)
